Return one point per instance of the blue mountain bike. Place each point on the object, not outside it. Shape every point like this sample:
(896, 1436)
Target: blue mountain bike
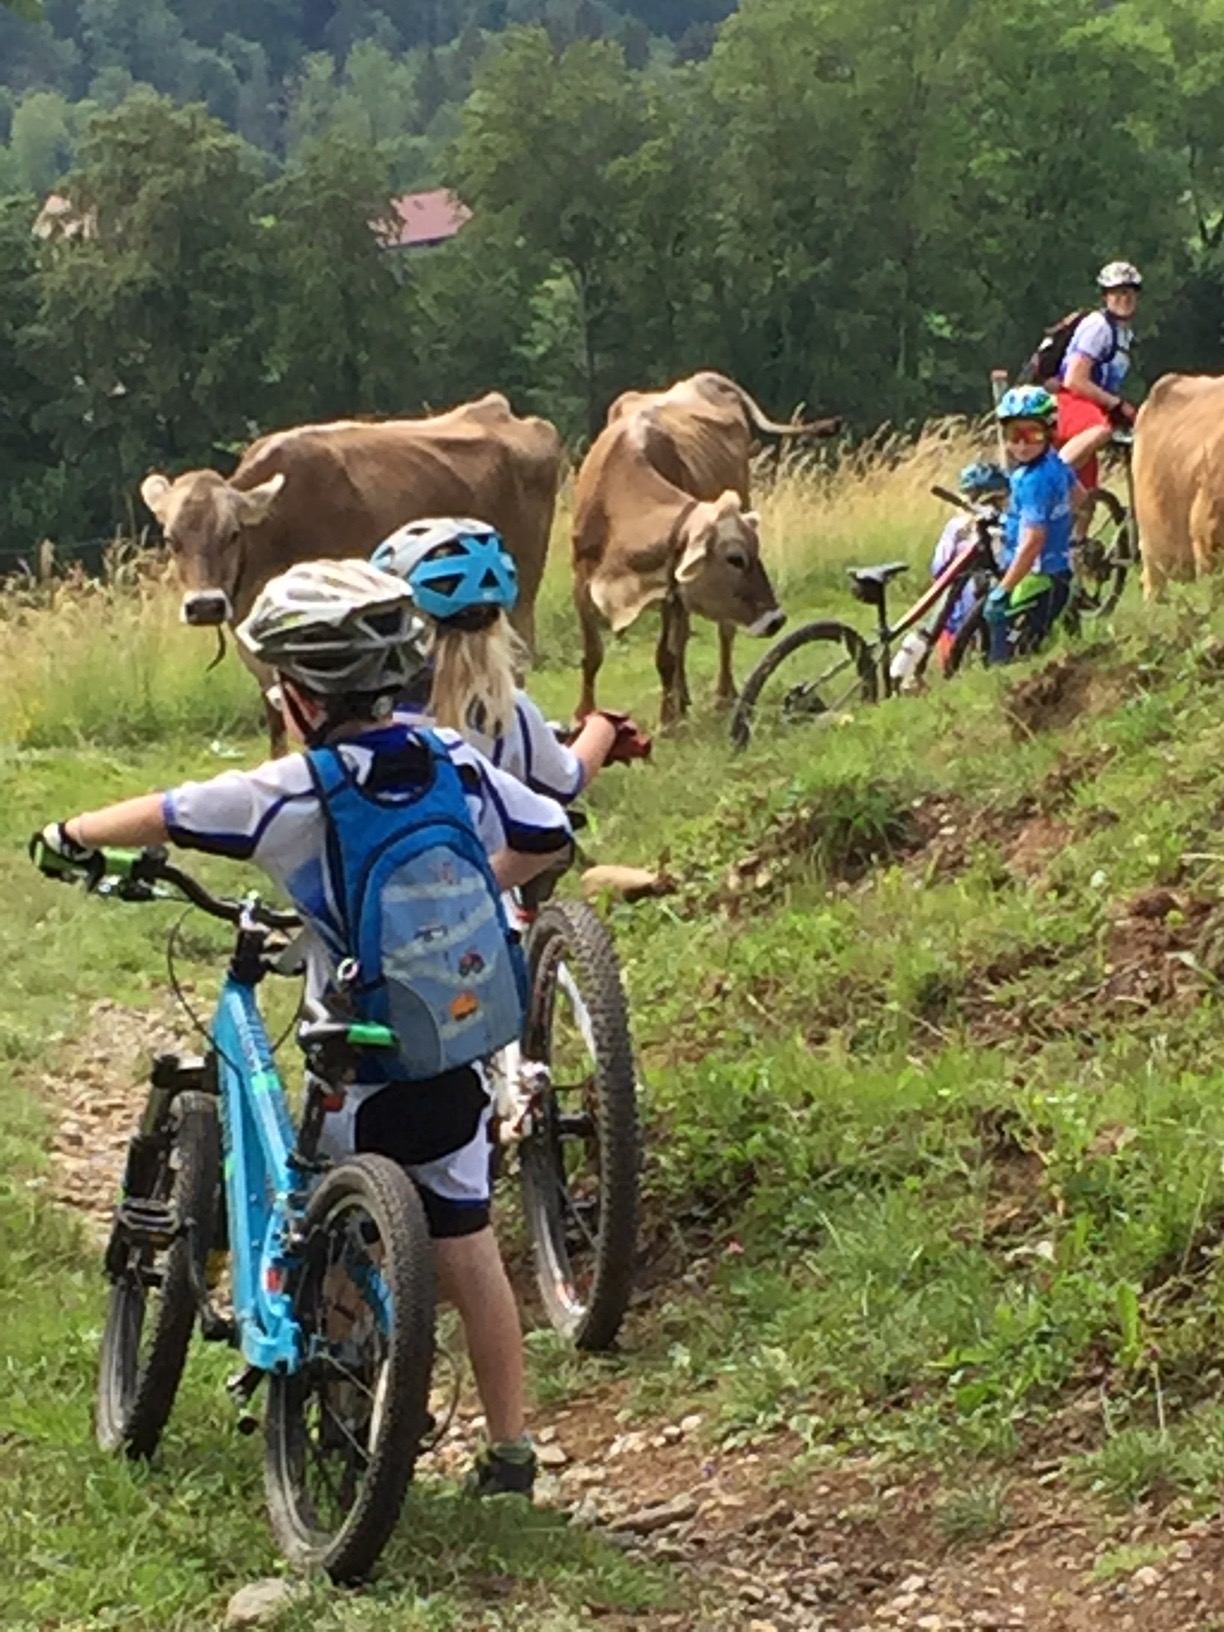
(330, 1266)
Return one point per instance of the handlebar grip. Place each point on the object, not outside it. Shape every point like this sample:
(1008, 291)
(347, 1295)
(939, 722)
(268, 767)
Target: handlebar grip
(948, 497)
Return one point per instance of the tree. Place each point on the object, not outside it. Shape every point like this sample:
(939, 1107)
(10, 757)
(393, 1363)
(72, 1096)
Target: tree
(151, 330)
(341, 337)
(32, 482)
(540, 147)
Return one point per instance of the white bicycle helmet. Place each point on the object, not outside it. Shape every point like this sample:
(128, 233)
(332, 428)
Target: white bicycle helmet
(340, 628)
(1120, 275)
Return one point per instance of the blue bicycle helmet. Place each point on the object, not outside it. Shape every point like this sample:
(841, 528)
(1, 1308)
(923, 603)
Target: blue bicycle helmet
(1027, 402)
(982, 477)
(452, 565)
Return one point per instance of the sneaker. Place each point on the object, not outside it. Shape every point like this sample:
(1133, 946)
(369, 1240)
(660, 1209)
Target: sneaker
(496, 1473)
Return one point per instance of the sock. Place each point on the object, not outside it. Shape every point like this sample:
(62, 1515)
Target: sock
(517, 1452)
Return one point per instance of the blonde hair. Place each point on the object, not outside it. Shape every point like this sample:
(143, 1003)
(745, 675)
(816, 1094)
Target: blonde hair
(475, 673)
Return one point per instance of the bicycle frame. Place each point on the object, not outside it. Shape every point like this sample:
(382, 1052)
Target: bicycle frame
(263, 1189)
(975, 554)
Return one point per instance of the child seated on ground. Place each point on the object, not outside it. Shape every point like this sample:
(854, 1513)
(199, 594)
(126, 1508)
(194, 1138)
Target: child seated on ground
(981, 483)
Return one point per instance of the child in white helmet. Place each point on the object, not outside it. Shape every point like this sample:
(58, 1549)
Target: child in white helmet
(344, 642)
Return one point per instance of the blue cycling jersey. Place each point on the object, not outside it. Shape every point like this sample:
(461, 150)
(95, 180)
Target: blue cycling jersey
(1041, 497)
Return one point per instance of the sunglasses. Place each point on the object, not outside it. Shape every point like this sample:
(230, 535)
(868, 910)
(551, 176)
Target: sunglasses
(1026, 435)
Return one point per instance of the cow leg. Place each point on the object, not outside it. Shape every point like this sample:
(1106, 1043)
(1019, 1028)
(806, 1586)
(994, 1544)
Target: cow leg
(669, 660)
(523, 621)
(724, 691)
(592, 650)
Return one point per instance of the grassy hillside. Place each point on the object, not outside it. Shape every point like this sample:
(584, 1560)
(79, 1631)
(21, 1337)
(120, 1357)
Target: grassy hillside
(929, 1031)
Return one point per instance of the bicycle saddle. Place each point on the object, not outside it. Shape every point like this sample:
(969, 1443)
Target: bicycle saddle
(878, 575)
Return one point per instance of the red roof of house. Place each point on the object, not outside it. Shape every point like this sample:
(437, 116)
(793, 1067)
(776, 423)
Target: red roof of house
(427, 218)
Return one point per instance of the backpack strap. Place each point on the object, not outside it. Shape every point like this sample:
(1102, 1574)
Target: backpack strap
(329, 775)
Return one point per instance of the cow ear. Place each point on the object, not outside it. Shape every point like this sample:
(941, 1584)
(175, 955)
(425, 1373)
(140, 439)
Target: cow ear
(693, 555)
(254, 504)
(753, 518)
(153, 491)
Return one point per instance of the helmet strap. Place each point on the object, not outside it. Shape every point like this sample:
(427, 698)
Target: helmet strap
(312, 733)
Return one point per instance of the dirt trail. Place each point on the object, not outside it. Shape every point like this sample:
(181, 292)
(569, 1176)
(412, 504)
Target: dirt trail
(756, 1544)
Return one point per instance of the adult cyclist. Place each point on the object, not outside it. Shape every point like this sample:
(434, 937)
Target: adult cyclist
(1045, 495)
(1096, 362)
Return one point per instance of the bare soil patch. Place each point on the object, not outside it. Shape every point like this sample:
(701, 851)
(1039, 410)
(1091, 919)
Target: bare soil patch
(95, 1097)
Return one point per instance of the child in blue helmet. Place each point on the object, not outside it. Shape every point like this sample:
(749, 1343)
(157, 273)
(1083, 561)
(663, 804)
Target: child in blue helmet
(463, 581)
(981, 483)
(1045, 494)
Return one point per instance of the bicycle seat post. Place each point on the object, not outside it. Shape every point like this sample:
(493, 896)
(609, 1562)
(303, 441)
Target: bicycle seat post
(882, 628)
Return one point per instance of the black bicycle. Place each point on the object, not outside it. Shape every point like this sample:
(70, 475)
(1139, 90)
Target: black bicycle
(1110, 546)
(566, 1098)
(819, 670)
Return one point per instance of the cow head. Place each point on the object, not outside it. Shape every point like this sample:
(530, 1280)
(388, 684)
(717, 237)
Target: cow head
(203, 518)
(719, 570)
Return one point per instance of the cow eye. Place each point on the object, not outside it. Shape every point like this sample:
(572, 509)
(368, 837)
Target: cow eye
(738, 560)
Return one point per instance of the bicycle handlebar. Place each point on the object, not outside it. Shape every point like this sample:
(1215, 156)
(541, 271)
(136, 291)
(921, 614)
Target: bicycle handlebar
(136, 873)
(983, 512)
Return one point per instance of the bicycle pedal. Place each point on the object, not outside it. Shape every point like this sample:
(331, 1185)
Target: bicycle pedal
(147, 1223)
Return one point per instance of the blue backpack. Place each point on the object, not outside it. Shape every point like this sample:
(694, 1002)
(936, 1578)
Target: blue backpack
(418, 908)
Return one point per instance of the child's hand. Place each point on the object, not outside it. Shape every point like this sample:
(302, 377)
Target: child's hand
(997, 605)
(58, 856)
(631, 741)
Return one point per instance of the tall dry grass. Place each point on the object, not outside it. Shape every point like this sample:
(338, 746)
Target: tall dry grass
(107, 661)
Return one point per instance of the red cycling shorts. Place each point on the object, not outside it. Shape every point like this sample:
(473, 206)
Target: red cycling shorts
(1076, 414)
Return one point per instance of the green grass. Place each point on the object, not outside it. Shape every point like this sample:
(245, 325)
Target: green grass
(91, 1541)
(937, 1121)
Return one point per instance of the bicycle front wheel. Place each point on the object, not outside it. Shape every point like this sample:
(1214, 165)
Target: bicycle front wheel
(1100, 562)
(810, 676)
(156, 1258)
(342, 1433)
(971, 646)
(580, 1161)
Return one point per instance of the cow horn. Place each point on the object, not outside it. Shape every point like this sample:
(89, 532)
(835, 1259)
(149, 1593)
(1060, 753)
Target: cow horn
(220, 652)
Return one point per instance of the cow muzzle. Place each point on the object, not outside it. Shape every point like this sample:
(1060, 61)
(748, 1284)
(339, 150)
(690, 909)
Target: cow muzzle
(205, 608)
(768, 623)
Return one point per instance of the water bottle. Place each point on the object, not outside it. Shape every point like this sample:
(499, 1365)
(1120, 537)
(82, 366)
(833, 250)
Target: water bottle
(911, 652)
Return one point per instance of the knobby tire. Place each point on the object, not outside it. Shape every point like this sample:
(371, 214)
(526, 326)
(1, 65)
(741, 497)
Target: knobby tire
(383, 1192)
(861, 677)
(570, 936)
(1118, 555)
(135, 1396)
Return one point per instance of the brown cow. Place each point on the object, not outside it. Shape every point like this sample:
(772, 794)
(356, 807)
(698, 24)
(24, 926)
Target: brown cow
(1179, 478)
(340, 489)
(661, 516)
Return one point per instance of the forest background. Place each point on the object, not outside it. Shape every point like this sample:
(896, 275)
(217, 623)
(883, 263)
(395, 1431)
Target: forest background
(861, 207)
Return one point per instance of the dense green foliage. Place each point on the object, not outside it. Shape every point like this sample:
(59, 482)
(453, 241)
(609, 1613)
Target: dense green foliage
(861, 208)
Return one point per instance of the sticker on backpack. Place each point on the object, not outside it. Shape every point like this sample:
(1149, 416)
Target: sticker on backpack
(420, 912)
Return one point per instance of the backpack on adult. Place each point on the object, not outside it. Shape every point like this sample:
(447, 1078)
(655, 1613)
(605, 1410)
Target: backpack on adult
(418, 909)
(1044, 364)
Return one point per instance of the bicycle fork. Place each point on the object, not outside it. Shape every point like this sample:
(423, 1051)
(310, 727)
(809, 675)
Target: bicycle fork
(520, 1091)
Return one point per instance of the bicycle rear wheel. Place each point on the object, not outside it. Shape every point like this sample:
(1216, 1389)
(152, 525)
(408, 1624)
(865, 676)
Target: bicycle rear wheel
(828, 668)
(163, 1223)
(1103, 558)
(580, 1162)
(342, 1433)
